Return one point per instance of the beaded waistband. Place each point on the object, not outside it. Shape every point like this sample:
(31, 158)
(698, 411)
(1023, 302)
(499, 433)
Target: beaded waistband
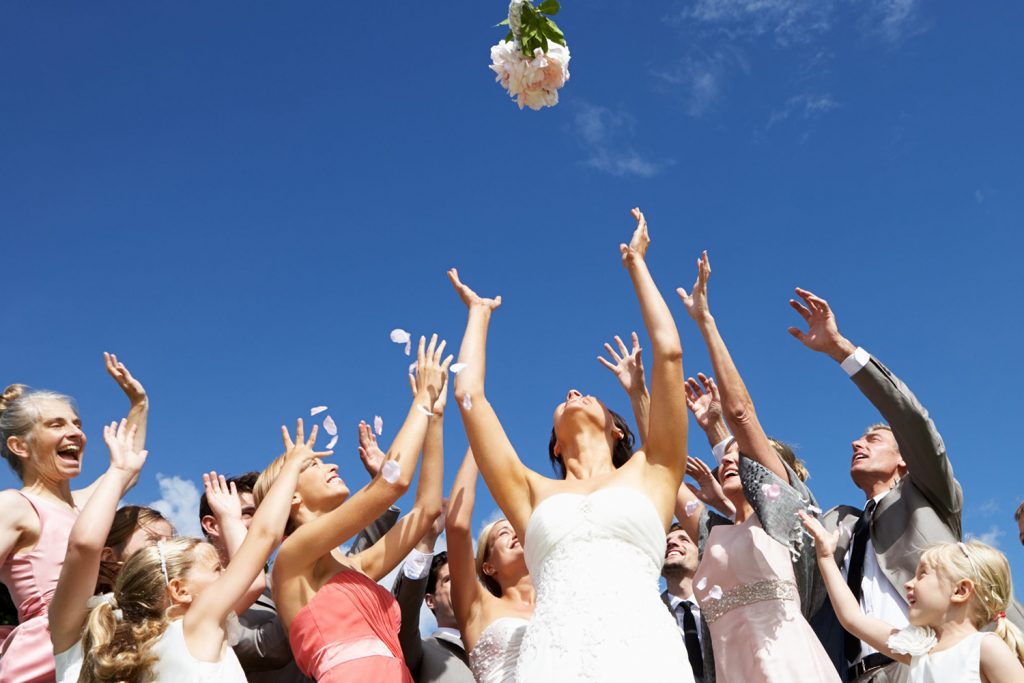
(747, 594)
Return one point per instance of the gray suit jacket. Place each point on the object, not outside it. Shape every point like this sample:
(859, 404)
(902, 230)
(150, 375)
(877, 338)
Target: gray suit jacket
(436, 659)
(706, 649)
(923, 509)
(264, 650)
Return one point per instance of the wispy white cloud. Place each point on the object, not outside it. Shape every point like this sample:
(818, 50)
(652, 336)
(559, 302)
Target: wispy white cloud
(179, 503)
(804, 106)
(894, 20)
(990, 537)
(606, 137)
(701, 78)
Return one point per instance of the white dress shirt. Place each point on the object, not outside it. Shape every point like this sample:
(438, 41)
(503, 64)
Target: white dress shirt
(879, 598)
(694, 608)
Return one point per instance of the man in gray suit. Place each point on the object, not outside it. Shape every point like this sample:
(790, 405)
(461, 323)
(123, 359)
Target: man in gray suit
(263, 649)
(424, 577)
(681, 560)
(913, 500)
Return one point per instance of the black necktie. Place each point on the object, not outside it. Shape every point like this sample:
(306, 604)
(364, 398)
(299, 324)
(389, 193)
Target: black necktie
(855, 575)
(692, 640)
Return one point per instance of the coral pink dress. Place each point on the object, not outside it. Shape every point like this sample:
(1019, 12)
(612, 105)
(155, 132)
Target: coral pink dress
(27, 654)
(349, 632)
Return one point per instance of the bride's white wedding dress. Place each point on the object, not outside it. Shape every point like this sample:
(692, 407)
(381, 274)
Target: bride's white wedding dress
(494, 657)
(595, 561)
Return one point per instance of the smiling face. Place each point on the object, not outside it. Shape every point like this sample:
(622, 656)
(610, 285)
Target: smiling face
(320, 488)
(204, 571)
(729, 475)
(929, 594)
(53, 449)
(876, 456)
(501, 558)
(680, 555)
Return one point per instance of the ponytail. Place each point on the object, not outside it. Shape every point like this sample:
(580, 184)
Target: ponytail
(1011, 635)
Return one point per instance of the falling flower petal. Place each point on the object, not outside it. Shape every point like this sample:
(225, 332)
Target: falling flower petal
(772, 491)
(467, 402)
(334, 440)
(423, 410)
(456, 368)
(317, 410)
(399, 336)
(390, 471)
(329, 426)
(378, 424)
(408, 347)
(813, 509)
(691, 507)
(715, 593)
(412, 368)
(702, 583)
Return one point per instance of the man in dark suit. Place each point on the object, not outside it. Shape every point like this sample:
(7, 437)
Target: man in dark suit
(681, 560)
(424, 578)
(913, 500)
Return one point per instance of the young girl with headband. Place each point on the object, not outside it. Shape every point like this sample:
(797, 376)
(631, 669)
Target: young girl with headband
(168, 617)
(958, 589)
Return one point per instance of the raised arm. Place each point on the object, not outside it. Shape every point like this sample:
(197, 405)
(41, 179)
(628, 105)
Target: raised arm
(77, 582)
(383, 556)
(506, 476)
(919, 441)
(628, 368)
(705, 403)
(204, 621)
(737, 406)
(874, 632)
(467, 592)
(666, 438)
(320, 536)
(227, 510)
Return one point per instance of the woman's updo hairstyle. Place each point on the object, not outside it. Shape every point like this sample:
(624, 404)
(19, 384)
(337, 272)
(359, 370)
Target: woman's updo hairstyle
(621, 453)
(19, 412)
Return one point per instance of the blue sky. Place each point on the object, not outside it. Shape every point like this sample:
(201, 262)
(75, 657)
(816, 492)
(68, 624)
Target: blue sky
(243, 200)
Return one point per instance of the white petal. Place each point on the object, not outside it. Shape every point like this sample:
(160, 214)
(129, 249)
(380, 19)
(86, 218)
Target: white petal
(773, 491)
(456, 368)
(467, 402)
(334, 440)
(317, 410)
(412, 368)
(715, 593)
(390, 471)
(378, 424)
(408, 346)
(702, 583)
(399, 336)
(423, 410)
(691, 507)
(329, 426)
(813, 510)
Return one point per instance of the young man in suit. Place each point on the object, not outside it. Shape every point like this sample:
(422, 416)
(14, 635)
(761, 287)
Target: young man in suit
(681, 562)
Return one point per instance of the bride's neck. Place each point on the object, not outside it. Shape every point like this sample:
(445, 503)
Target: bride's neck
(586, 455)
(521, 592)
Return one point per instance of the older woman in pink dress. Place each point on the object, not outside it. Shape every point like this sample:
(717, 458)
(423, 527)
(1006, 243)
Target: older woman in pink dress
(42, 440)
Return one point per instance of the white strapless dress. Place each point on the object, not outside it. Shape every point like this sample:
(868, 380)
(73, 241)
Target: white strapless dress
(494, 657)
(596, 562)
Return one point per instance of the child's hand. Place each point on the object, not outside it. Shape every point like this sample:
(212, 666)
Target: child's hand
(824, 541)
(222, 497)
(123, 456)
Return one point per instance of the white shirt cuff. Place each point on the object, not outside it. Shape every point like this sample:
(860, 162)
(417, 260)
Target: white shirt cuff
(718, 450)
(855, 361)
(417, 565)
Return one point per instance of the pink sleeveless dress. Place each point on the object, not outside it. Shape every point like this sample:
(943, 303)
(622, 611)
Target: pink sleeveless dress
(27, 654)
(349, 632)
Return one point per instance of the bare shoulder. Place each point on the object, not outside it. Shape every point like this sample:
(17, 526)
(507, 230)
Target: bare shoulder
(18, 512)
(998, 662)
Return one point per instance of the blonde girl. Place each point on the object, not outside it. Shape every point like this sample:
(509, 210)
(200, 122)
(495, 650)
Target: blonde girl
(958, 589)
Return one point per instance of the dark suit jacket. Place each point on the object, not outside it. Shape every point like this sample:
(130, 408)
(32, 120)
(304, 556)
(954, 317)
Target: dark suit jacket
(436, 659)
(264, 650)
(707, 652)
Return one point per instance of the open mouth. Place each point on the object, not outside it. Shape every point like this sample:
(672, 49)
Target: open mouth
(670, 553)
(730, 473)
(859, 456)
(71, 453)
(515, 543)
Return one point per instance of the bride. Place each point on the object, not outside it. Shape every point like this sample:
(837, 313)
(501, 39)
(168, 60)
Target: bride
(595, 540)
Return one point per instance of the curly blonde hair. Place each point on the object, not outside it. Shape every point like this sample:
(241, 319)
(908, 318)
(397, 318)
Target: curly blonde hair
(118, 647)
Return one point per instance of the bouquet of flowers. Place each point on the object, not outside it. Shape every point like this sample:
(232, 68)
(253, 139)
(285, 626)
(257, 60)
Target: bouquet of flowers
(532, 62)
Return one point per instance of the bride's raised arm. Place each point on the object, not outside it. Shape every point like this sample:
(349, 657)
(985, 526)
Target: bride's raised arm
(506, 476)
(665, 447)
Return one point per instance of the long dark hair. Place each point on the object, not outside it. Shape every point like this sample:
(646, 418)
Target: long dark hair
(621, 453)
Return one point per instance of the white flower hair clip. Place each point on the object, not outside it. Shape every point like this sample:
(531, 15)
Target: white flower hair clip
(106, 598)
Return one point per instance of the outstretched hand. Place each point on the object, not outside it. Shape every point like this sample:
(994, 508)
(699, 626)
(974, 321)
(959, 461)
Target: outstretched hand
(301, 450)
(132, 387)
(696, 302)
(638, 243)
(369, 452)
(825, 542)
(628, 367)
(703, 400)
(468, 296)
(708, 490)
(430, 383)
(223, 498)
(120, 438)
(822, 331)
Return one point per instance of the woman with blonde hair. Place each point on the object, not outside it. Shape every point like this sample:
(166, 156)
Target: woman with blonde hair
(492, 612)
(41, 438)
(342, 624)
(168, 618)
(959, 589)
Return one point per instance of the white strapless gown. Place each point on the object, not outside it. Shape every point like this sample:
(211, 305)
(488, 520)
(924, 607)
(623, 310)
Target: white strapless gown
(494, 657)
(596, 561)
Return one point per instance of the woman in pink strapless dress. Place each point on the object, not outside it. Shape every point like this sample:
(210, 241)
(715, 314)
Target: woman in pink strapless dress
(343, 626)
